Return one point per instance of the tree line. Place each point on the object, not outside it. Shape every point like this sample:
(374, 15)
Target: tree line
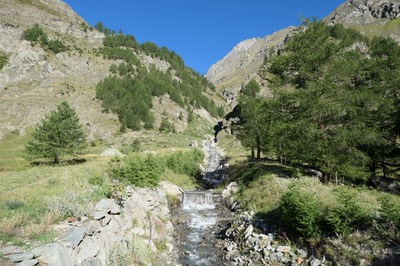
(335, 104)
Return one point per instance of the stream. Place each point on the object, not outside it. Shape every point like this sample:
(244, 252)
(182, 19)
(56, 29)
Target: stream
(196, 219)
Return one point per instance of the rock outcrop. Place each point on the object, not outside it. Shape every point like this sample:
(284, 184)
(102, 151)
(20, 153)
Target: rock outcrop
(140, 225)
(243, 61)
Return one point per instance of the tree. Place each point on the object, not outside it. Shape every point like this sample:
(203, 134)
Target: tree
(59, 133)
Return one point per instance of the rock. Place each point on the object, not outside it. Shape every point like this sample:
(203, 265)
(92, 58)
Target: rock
(53, 254)
(11, 250)
(31, 262)
(86, 250)
(249, 231)
(98, 215)
(112, 152)
(301, 253)
(73, 237)
(231, 189)
(18, 257)
(314, 262)
(194, 143)
(92, 227)
(91, 262)
(171, 189)
(283, 249)
(109, 206)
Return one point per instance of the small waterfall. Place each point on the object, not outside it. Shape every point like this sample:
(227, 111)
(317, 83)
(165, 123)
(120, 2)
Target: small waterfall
(198, 200)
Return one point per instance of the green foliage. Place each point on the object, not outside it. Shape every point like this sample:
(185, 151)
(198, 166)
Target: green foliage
(33, 34)
(3, 59)
(138, 170)
(135, 145)
(59, 133)
(390, 210)
(185, 162)
(37, 35)
(13, 204)
(56, 46)
(334, 108)
(300, 212)
(167, 126)
(347, 215)
(129, 94)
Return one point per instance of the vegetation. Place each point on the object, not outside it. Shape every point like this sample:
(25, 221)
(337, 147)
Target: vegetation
(37, 35)
(59, 133)
(3, 59)
(146, 171)
(334, 106)
(129, 92)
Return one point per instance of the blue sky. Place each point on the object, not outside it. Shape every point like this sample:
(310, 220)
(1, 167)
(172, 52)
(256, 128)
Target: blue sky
(202, 32)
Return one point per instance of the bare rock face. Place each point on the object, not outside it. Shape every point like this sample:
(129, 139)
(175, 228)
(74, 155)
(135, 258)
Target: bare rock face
(365, 11)
(243, 61)
(34, 80)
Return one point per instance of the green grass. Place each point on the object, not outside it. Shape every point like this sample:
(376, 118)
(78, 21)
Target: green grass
(12, 152)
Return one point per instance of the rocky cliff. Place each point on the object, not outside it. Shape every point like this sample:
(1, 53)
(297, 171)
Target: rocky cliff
(244, 61)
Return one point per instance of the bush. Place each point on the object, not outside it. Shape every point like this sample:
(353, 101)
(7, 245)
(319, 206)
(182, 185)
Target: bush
(167, 126)
(138, 170)
(135, 145)
(300, 212)
(56, 46)
(348, 215)
(3, 59)
(390, 210)
(33, 34)
(185, 162)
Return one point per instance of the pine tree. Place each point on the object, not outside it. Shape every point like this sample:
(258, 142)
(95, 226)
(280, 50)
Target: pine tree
(59, 133)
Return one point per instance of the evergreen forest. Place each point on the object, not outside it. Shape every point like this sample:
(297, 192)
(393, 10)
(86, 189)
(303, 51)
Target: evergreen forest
(335, 106)
(129, 90)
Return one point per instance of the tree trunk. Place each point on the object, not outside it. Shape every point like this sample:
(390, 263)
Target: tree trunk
(56, 159)
(258, 143)
(252, 153)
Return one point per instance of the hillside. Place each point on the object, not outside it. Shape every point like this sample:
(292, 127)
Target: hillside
(34, 79)
(243, 62)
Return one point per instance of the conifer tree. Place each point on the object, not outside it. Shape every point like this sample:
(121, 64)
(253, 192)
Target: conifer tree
(59, 133)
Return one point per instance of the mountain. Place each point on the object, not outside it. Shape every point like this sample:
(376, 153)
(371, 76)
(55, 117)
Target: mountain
(35, 75)
(370, 17)
(244, 61)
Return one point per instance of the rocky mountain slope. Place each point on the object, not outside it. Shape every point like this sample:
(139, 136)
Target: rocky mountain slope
(371, 17)
(34, 80)
(244, 61)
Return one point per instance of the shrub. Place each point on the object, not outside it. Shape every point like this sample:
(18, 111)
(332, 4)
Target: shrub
(185, 162)
(138, 170)
(33, 34)
(347, 215)
(69, 203)
(300, 212)
(135, 145)
(56, 46)
(390, 210)
(3, 59)
(13, 204)
(167, 126)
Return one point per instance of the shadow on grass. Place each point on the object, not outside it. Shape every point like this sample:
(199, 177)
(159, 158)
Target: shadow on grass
(74, 161)
(247, 172)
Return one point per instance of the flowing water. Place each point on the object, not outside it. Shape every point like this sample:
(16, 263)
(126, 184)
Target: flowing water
(196, 219)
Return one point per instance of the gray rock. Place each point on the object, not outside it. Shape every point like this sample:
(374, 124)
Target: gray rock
(87, 249)
(73, 237)
(92, 262)
(31, 262)
(314, 262)
(98, 215)
(53, 254)
(92, 227)
(301, 253)
(108, 206)
(11, 250)
(283, 249)
(17, 257)
(249, 231)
